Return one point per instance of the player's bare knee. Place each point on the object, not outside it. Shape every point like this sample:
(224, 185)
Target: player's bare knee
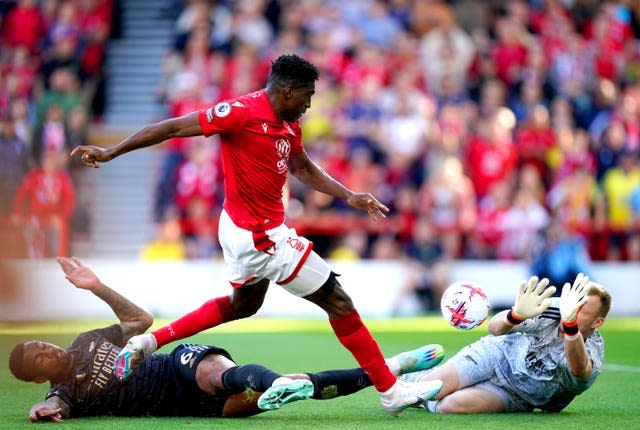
(338, 303)
(448, 405)
(247, 306)
(246, 310)
(247, 300)
(342, 300)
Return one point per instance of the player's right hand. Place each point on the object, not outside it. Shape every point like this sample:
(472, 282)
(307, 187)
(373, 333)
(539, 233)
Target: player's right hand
(573, 297)
(533, 298)
(78, 274)
(45, 413)
(91, 155)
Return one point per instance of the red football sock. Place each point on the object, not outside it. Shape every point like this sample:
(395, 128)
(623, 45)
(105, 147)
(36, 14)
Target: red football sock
(355, 336)
(214, 312)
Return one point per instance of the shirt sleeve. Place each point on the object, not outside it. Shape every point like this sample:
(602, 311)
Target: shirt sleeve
(65, 392)
(223, 118)
(113, 333)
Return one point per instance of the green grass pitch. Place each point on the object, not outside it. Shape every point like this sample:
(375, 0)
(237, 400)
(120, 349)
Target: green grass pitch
(308, 345)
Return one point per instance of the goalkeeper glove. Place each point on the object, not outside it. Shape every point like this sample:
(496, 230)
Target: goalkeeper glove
(532, 300)
(572, 299)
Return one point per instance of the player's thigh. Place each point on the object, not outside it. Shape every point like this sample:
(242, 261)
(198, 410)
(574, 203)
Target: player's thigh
(448, 374)
(310, 274)
(471, 400)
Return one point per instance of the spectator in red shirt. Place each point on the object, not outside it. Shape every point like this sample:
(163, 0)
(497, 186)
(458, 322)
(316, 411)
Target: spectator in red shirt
(95, 25)
(44, 204)
(491, 155)
(24, 67)
(24, 26)
(448, 201)
(199, 176)
(489, 229)
(509, 53)
(534, 140)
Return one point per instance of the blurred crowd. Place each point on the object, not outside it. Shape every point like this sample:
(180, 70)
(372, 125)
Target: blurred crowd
(483, 121)
(51, 89)
(494, 129)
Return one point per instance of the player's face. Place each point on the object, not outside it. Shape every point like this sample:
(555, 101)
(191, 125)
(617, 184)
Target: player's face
(588, 318)
(298, 100)
(45, 360)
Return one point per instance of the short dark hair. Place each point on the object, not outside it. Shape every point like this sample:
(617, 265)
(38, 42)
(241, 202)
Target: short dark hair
(292, 70)
(16, 363)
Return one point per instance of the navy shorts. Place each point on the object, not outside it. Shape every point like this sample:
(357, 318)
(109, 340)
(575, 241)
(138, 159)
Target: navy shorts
(186, 357)
(190, 399)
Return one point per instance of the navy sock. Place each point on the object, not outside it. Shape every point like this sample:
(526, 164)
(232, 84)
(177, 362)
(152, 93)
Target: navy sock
(336, 383)
(253, 376)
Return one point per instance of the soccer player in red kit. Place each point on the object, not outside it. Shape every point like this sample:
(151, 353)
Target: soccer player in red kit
(261, 143)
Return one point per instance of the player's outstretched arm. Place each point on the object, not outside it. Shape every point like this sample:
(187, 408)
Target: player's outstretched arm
(133, 319)
(532, 299)
(572, 299)
(317, 178)
(53, 409)
(184, 126)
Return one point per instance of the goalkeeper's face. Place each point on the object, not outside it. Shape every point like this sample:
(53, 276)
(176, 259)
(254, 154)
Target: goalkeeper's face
(45, 361)
(589, 317)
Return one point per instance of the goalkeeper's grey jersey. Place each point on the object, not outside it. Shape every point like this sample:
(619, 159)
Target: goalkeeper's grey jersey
(534, 362)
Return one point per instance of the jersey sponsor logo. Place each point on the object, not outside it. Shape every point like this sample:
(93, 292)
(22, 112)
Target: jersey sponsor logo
(283, 147)
(210, 114)
(222, 109)
(284, 150)
(104, 359)
(186, 357)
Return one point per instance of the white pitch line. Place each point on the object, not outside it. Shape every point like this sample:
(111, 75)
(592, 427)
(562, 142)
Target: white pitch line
(621, 368)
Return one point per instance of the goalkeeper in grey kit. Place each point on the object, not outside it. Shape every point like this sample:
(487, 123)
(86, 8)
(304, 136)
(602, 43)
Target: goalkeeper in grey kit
(543, 352)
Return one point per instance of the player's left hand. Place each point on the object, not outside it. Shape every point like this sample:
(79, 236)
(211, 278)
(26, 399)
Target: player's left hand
(367, 202)
(78, 274)
(573, 297)
(533, 298)
(45, 413)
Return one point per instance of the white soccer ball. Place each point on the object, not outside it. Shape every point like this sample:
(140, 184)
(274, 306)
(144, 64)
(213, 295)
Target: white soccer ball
(464, 305)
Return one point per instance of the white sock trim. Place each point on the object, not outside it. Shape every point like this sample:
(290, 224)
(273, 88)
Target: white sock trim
(432, 406)
(393, 365)
(390, 390)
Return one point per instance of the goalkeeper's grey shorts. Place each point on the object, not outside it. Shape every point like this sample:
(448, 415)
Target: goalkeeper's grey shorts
(476, 364)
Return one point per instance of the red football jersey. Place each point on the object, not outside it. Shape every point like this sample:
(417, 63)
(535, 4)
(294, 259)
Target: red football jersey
(255, 148)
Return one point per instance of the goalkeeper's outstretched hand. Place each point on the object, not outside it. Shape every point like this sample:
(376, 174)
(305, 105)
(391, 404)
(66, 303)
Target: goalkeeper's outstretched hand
(533, 298)
(573, 297)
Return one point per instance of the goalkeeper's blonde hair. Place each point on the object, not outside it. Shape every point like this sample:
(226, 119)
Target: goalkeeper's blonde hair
(605, 298)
